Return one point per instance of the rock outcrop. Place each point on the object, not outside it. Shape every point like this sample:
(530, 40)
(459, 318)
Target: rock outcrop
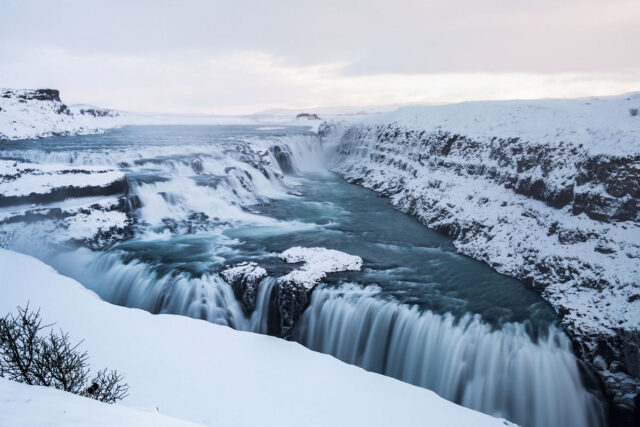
(244, 278)
(292, 292)
(85, 204)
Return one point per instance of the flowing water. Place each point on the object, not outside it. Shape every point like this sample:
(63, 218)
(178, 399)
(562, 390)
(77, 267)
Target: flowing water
(210, 196)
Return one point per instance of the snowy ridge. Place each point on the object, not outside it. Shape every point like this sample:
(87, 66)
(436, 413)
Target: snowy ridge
(39, 113)
(206, 373)
(544, 191)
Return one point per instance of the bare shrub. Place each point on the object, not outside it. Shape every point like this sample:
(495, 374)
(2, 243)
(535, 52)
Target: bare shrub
(29, 355)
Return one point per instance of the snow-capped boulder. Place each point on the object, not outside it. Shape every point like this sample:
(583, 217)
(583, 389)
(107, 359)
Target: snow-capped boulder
(294, 289)
(544, 191)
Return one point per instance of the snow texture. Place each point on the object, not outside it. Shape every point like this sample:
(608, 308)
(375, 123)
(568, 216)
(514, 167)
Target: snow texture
(245, 270)
(25, 405)
(202, 372)
(317, 263)
(39, 113)
(545, 191)
(23, 178)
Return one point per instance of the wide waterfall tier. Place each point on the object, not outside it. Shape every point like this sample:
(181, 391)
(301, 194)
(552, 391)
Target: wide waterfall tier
(502, 371)
(193, 201)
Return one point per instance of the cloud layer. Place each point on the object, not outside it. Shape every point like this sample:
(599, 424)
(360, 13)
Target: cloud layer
(241, 56)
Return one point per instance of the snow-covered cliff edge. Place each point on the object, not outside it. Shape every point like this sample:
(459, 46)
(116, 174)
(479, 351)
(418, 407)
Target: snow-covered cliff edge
(545, 191)
(39, 113)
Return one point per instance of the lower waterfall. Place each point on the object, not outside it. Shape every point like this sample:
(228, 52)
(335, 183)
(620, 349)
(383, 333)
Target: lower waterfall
(503, 371)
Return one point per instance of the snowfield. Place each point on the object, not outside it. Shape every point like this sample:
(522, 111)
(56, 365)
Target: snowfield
(39, 113)
(545, 191)
(201, 372)
(25, 405)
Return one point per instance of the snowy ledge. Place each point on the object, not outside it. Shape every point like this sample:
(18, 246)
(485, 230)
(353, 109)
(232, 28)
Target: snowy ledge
(317, 263)
(204, 373)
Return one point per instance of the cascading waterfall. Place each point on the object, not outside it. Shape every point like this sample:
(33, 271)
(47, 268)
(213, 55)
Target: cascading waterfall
(136, 284)
(503, 371)
(498, 371)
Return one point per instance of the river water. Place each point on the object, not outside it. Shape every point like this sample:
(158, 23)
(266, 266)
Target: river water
(210, 196)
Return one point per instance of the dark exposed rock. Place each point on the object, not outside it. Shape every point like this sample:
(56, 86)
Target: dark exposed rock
(244, 278)
(61, 193)
(40, 95)
(197, 165)
(292, 298)
(97, 112)
(283, 157)
(308, 116)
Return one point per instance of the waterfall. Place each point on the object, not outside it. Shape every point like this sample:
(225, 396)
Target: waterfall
(187, 199)
(503, 371)
(139, 285)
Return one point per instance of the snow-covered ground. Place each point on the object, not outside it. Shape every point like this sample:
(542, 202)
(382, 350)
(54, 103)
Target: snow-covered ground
(546, 191)
(25, 405)
(202, 372)
(39, 113)
(600, 125)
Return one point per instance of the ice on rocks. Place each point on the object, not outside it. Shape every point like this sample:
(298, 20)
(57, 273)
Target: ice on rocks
(317, 263)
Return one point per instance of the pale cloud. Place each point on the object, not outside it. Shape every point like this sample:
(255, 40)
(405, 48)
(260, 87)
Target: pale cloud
(241, 56)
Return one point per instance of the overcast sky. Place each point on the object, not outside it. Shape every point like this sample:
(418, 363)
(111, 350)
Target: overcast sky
(244, 56)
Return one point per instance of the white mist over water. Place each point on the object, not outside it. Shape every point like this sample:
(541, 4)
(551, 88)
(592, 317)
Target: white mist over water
(200, 203)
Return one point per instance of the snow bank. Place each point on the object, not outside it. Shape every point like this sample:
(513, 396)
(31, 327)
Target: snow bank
(25, 405)
(602, 125)
(39, 113)
(210, 374)
(317, 263)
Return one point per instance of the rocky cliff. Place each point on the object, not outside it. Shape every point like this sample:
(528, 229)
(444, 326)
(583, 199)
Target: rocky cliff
(544, 191)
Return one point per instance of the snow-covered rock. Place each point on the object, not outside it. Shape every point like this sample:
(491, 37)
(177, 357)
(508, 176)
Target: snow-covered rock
(317, 262)
(244, 278)
(293, 291)
(545, 191)
(87, 204)
(201, 372)
(39, 113)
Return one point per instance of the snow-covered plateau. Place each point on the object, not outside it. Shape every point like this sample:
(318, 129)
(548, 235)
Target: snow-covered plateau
(544, 191)
(39, 113)
(192, 370)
